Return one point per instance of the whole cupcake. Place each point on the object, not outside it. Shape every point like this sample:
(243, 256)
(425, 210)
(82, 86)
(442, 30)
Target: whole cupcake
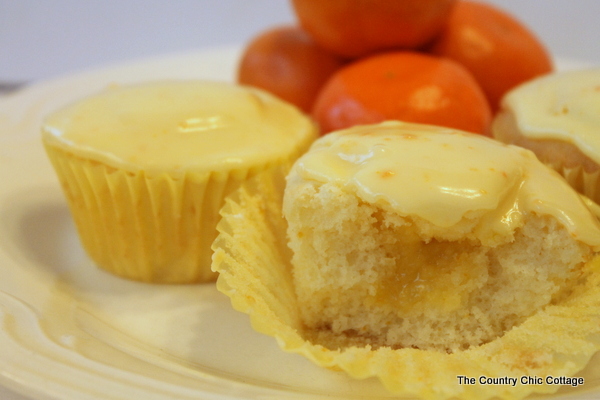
(146, 168)
(558, 117)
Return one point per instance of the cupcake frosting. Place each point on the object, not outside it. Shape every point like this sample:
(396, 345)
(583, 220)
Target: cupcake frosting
(563, 106)
(443, 177)
(177, 126)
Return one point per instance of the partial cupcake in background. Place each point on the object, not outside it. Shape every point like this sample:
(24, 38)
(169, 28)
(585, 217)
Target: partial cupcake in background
(146, 168)
(418, 254)
(558, 117)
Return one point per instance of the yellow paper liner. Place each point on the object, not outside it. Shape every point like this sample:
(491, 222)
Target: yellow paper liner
(152, 229)
(253, 261)
(586, 183)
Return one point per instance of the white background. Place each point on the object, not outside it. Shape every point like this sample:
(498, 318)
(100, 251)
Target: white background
(42, 39)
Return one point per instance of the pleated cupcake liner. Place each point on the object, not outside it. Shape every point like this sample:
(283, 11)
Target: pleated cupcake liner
(147, 228)
(586, 183)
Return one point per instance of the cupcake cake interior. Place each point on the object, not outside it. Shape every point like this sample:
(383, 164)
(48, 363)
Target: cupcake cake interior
(407, 237)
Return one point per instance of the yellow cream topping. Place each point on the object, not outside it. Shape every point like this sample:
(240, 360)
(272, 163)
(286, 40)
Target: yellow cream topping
(443, 175)
(563, 106)
(178, 126)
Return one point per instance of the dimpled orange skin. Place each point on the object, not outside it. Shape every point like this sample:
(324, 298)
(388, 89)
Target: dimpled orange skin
(288, 63)
(406, 86)
(498, 49)
(355, 28)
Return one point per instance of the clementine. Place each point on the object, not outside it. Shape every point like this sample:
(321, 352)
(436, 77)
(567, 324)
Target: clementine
(408, 86)
(355, 28)
(288, 63)
(499, 50)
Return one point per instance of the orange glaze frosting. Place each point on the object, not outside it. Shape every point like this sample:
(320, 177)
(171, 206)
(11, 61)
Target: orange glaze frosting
(442, 175)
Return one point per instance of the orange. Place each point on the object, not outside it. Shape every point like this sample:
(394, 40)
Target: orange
(355, 28)
(408, 86)
(497, 48)
(288, 63)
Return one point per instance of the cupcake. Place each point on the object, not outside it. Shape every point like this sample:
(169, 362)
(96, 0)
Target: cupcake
(558, 117)
(417, 254)
(145, 169)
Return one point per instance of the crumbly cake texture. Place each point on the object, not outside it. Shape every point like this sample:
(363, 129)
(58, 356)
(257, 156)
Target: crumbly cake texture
(365, 275)
(255, 271)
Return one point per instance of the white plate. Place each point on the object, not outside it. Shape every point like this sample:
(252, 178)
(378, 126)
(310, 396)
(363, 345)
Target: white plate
(71, 331)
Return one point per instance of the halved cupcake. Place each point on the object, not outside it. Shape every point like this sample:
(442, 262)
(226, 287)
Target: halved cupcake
(417, 254)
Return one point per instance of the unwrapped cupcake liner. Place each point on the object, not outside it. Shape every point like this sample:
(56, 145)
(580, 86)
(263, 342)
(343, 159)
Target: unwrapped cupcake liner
(254, 266)
(146, 228)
